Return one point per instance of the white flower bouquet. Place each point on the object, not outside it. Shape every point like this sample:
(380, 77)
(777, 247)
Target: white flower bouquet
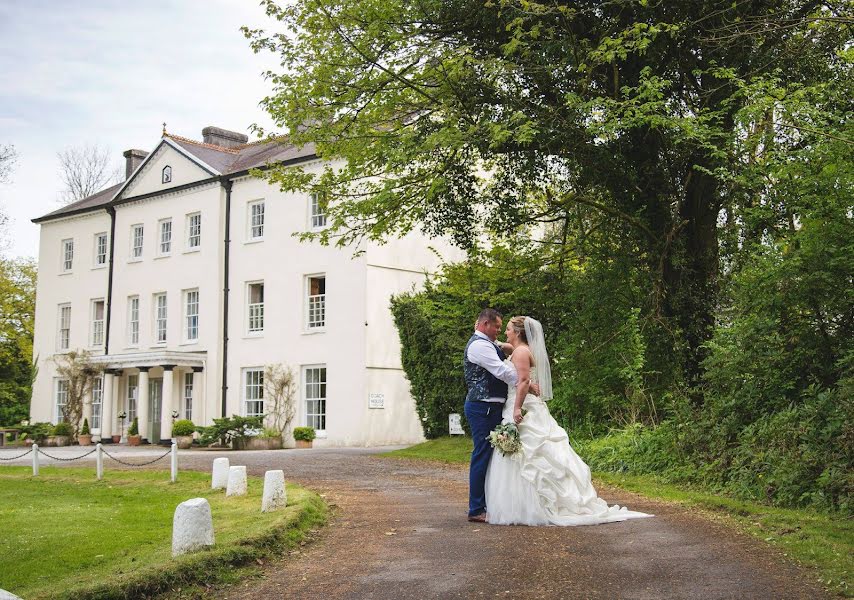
(505, 437)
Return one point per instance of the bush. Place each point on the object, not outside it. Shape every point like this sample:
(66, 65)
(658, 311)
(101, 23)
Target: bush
(85, 429)
(183, 427)
(37, 431)
(305, 434)
(270, 432)
(228, 428)
(63, 429)
(134, 427)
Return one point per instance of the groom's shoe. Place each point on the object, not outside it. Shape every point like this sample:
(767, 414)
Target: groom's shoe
(481, 518)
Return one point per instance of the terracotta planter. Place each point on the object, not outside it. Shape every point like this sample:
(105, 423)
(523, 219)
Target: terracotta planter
(134, 440)
(184, 441)
(84, 440)
(117, 439)
(303, 444)
(58, 440)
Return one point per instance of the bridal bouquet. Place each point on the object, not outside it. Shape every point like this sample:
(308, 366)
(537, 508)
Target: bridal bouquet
(505, 437)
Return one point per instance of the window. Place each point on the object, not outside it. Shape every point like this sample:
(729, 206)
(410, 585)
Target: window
(165, 237)
(316, 302)
(160, 318)
(194, 230)
(191, 332)
(133, 395)
(67, 255)
(97, 401)
(253, 392)
(188, 395)
(136, 241)
(61, 399)
(166, 174)
(64, 326)
(133, 320)
(97, 322)
(316, 212)
(256, 220)
(100, 249)
(315, 397)
(256, 307)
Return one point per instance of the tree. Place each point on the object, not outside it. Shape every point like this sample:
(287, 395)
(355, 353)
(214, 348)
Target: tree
(461, 117)
(17, 313)
(85, 170)
(8, 157)
(280, 388)
(79, 372)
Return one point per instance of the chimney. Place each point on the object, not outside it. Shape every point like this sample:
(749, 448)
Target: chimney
(133, 158)
(223, 137)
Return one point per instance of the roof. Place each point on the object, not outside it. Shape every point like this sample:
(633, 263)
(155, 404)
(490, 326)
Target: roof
(227, 162)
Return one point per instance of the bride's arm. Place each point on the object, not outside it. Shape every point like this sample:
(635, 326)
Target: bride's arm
(522, 361)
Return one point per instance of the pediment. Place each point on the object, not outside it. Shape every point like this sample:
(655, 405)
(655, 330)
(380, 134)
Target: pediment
(149, 177)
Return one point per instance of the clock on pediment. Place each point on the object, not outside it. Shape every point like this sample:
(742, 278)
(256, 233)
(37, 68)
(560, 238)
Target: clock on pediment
(167, 174)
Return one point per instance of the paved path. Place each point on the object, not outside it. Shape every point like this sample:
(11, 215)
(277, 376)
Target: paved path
(399, 531)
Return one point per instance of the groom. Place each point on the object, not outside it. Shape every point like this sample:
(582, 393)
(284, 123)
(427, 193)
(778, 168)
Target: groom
(487, 378)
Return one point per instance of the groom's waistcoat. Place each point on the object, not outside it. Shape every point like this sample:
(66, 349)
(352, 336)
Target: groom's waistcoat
(481, 383)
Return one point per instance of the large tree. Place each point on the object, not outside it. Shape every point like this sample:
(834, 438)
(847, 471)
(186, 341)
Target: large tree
(17, 316)
(461, 117)
(85, 170)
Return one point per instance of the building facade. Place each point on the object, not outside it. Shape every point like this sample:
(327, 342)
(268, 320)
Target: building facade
(186, 279)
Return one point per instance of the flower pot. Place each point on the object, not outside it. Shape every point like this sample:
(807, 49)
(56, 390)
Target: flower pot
(58, 440)
(117, 439)
(84, 439)
(134, 440)
(184, 441)
(303, 444)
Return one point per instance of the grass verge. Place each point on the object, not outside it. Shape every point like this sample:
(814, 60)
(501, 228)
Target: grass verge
(816, 539)
(67, 535)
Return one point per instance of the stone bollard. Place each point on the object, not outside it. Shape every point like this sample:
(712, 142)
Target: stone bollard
(192, 526)
(275, 495)
(219, 479)
(236, 481)
(4, 595)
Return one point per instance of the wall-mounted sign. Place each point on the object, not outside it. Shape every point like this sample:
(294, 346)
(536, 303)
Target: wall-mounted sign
(454, 425)
(376, 400)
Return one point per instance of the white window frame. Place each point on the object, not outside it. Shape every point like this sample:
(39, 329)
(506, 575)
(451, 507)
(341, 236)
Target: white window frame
(255, 220)
(187, 395)
(194, 240)
(133, 321)
(136, 250)
(191, 320)
(312, 418)
(60, 392)
(252, 391)
(166, 174)
(132, 399)
(63, 334)
(254, 310)
(66, 258)
(314, 305)
(316, 217)
(160, 317)
(101, 257)
(97, 332)
(97, 402)
(167, 243)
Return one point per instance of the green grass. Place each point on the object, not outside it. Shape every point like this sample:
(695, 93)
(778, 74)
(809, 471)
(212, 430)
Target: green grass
(820, 540)
(64, 534)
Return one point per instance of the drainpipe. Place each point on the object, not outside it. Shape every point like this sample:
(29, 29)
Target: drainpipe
(226, 183)
(111, 210)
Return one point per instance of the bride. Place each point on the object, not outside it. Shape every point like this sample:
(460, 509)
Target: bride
(546, 482)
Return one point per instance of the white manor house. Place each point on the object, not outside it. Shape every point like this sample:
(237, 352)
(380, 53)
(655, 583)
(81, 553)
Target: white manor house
(185, 280)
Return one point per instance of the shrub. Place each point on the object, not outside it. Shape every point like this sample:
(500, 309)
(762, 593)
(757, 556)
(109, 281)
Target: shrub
(270, 432)
(37, 431)
(305, 434)
(183, 427)
(134, 427)
(63, 428)
(85, 429)
(228, 428)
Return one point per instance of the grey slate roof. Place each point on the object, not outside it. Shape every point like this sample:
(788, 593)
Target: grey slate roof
(225, 161)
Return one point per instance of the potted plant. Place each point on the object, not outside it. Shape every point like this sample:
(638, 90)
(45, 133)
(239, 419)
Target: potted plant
(61, 435)
(268, 439)
(84, 438)
(304, 436)
(134, 439)
(182, 431)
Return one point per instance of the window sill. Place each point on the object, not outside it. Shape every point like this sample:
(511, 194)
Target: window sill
(134, 260)
(99, 267)
(253, 335)
(66, 273)
(314, 331)
(191, 250)
(189, 343)
(253, 241)
(158, 346)
(159, 256)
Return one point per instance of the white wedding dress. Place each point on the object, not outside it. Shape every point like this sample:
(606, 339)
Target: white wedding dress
(546, 482)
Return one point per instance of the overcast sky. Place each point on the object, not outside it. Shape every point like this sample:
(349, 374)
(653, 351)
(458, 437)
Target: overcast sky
(110, 73)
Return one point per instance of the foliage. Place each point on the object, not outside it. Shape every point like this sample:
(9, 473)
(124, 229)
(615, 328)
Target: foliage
(17, 310)
(79, 371)
(63, 429)
(37, 431)
(270, 432)
(280, 389)
(85, 429)
(226, 429)
(183, 427)
(134, 427)
(86, 170)
(305, 434)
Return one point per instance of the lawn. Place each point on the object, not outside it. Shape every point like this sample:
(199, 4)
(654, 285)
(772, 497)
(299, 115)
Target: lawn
(817, 539)
(65, 534)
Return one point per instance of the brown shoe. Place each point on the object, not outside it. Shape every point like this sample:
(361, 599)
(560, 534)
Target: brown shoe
(481, 518)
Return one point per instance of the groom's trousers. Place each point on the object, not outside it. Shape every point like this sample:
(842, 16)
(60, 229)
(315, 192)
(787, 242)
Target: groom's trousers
(482, 417)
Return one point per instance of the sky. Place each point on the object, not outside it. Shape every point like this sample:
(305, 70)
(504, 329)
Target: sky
(110, 73)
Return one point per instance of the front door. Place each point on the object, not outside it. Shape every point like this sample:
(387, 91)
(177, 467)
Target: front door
(155, 400)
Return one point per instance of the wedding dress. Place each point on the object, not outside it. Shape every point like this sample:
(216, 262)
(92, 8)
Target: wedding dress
(546, 482)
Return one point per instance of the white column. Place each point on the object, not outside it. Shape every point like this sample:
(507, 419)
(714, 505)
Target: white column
(87, 408)
(166, 406)
(199, 405)
(107, 411)
(142, 403)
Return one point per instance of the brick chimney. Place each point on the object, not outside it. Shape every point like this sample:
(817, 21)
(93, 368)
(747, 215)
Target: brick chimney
(133, 158)
(223, 137)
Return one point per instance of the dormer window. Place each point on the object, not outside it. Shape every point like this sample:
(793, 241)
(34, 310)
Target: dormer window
(167, 174)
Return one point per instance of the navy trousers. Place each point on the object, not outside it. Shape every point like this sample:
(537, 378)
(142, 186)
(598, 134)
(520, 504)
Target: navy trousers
(482, 417)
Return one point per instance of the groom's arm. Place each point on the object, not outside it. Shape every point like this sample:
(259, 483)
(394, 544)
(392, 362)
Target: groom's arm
(482, 353)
